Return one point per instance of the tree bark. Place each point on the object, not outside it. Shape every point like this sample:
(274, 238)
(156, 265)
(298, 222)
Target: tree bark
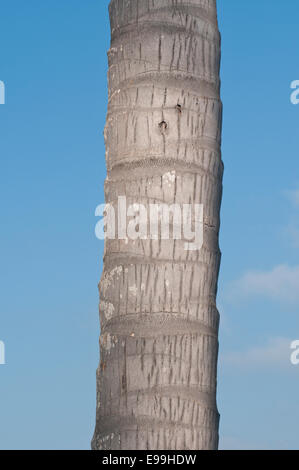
(156, 382)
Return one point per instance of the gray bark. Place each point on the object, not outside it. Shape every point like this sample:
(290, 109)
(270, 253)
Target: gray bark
(156, 382)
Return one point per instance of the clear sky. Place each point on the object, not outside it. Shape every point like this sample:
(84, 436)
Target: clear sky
(52, 170)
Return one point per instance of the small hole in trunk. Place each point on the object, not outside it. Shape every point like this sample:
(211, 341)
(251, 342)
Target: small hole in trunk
(163, 126)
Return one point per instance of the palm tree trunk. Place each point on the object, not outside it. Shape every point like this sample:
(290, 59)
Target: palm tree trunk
(156, 382)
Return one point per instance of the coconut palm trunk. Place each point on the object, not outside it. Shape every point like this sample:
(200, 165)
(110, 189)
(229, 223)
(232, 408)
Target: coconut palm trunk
(156, 381)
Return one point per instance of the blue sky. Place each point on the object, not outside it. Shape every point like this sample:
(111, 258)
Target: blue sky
(52, 170)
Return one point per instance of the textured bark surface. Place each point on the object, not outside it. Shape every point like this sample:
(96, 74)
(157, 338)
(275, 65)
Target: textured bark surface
(156, 381)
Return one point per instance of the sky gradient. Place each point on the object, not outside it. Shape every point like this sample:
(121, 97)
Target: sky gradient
(52, 168)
